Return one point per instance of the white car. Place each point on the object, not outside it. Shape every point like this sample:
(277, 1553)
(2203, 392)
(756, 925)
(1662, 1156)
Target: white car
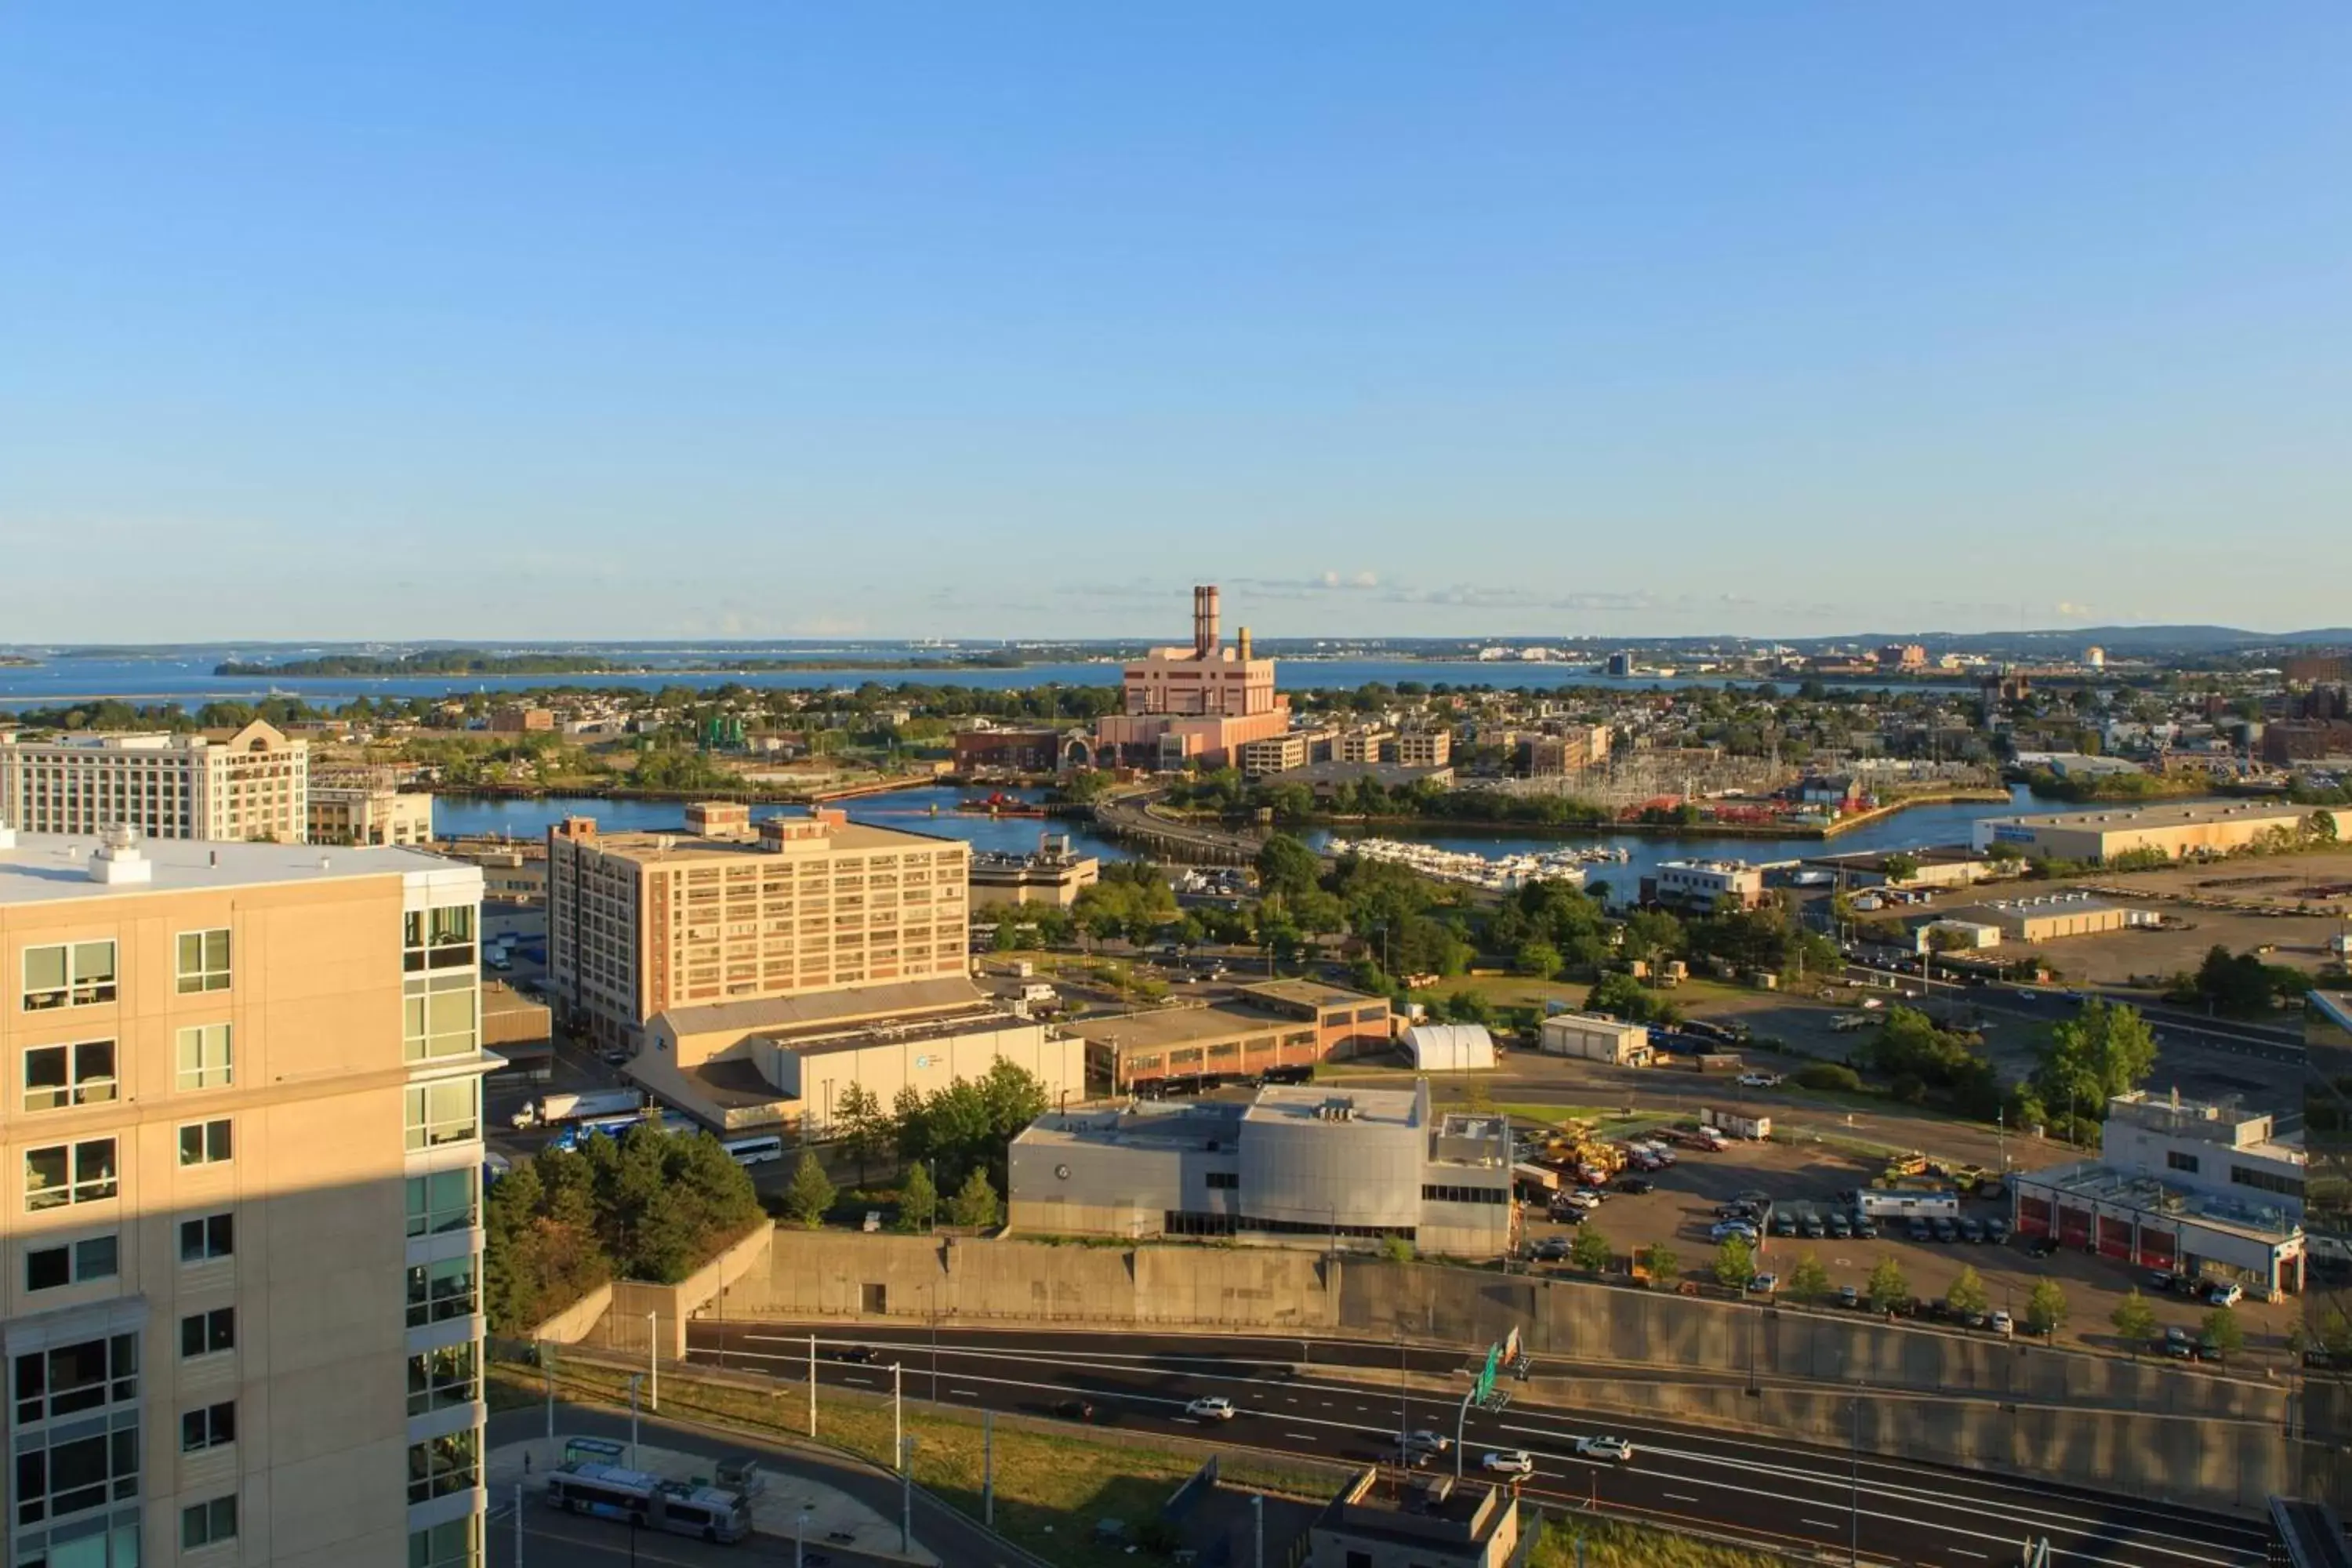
(1215, 1408)
(1759, 1081)
(1511, 1462)
(1613, 1448)
(2226, 1294)
(1873, 1004)
(2003, 1324)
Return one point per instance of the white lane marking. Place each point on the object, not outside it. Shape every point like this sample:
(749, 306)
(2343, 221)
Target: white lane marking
(1679, 1497)
(1825, 1523)
(1963, 1551)
(965, 1393)
(1187, 1420)
(861, 1381)
(1302, 1437)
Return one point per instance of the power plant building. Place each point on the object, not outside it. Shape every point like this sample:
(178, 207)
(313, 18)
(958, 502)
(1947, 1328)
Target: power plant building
(1297, 1165)
(1204, 702)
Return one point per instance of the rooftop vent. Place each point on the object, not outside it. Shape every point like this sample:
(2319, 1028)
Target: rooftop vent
(118, 860)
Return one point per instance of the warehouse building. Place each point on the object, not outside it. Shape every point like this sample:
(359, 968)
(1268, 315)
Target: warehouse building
(1595, 1039)
(2178, 828)
(2204, 1190)
(1705, 886)
(1293, 1166)
(2045, 918)
(1280, 1026)
(1449, 1047)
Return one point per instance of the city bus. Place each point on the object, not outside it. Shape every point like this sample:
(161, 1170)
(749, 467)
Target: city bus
(755, 1150)
(608, 1491)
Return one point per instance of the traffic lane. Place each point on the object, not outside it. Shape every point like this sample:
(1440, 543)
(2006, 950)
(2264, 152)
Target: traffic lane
(1760, 1486)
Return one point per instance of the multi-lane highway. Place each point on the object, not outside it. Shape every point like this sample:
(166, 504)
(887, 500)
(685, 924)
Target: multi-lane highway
(1292, 1396)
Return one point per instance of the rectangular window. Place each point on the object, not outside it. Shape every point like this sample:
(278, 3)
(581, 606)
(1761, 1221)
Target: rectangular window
(443, 1465)
(2265, 1181)
(214, 1426)
(443, 1201)
(77, 1263)
(2175, 1160)
(438, 938)
(203, 961)
(1230, 1181)
(68, 975)
(439, 1292)
(60, 1076)
(449, 1111)
(205, 1057)
(455, 1544)
(74, 1475)
(441, 1378)
(207, 1333)
(206, 1142)
(208, 1523)
(69, 1379)
(64, 1174)
(206, 1240)
(439, 1016)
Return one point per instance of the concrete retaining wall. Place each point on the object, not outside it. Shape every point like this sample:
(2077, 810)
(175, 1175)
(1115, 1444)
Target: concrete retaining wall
(572, 1324)
(638, 1309)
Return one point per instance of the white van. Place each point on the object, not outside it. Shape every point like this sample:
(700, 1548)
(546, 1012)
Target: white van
(755, 1150)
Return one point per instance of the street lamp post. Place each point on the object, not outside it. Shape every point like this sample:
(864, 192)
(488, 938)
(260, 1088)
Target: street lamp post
(635, 1379)
(800, 1540)
(653, 1362)
(897, 1412)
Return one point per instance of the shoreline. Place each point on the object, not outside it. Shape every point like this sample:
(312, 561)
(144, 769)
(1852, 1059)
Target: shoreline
(1759, 831)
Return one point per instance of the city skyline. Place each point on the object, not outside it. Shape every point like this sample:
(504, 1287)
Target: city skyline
(779, 325)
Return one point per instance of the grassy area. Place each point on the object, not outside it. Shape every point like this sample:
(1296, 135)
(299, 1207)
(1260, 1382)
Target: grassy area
(1050, 1488)
(1610, 1543)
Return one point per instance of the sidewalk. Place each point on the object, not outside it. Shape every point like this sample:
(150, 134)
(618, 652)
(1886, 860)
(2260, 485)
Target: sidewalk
(834, 1518)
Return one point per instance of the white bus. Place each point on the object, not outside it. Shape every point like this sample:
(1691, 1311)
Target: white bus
(755, 1150)
(648, 1502)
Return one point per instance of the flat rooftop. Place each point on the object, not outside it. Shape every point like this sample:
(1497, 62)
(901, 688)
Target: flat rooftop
(1187, 1025)
(54, 866)
(1310, 993)
(2096, 1182)
(1148, 1124)
(669, 849)
(1308, 1102)
(2176, 813)
(833, 1009)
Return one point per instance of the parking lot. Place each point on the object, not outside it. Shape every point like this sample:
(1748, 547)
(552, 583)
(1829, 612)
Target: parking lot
(1807, 1179)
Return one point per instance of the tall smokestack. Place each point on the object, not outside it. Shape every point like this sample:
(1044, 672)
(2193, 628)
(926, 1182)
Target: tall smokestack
(1242, 645)
(1204, 621)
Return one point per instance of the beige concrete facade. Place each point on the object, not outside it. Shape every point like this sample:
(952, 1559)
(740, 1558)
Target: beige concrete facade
(639, 924)
(1206, 702)
(1425, 748)
(1054, 875)
(243, 1155)
(2188, 828)
(253, 784)
(369, 814)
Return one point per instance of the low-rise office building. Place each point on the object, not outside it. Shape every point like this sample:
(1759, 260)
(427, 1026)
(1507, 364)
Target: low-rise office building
(1425, 748)
(1053, 875)
(1391, 1520)
(1595, 1039)
(1705, 885)
(1281, 1027)
(2175, 830)
(785, 1062)
(1007, 750)
(2047, 917)
(1280, 753)
(1297, 1165)
(1370, 743)
(367, 813)
(2204, 1190)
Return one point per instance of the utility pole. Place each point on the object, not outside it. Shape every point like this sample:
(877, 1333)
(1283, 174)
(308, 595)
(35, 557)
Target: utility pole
(1853, 1485)
(635, 1379)
(800, 1540)
(517, 1524)
(547, 1366)
(905, 1495)
(812, 1379)
(897, 1413)
(1257, 1524)
(653, 1362)
(988, 1468)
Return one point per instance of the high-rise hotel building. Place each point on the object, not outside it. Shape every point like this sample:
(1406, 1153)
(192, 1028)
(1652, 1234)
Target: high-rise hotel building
(253, 786)
(639, 924)
(243, 1150)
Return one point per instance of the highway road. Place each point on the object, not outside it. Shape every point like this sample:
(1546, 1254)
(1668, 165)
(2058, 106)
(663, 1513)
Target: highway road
(2172, 1025)
(1808, 1497)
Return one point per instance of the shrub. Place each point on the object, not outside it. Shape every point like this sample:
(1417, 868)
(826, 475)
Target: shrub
(1834, 1076)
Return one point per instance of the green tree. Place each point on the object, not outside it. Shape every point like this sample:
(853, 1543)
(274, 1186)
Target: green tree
(1590, 1251)
(1735, 1263)
(1899, 867)
(975, 1205)
(1286, 868)
(1539, 959)
(1809, 1281)
(1887, 1288)
(2135, 1320)
(1967, 1294)
(1663, 1267)
(1396, 1249)
(2103, 1051)
(1650, 934)
(863, 1128)
(918, 1201)
(2220, 1331)
(2321, 826)
(810, 1195)
(2045, 1308)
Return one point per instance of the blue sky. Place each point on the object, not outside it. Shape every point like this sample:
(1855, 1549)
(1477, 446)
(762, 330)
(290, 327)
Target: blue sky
(795, 319)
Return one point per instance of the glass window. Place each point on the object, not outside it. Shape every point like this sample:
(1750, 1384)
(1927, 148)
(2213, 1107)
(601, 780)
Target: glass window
(443, 1465)
(443, 1201)
(439, 1292)
(210, 1427)
(203, 1240)
(205, 1057)
(439, 1016)
(208, 1523)
(66, 1379)
(63, 1173)
(455, 1545)
(445, 1113)
(438, 938)
(206, 1142)
(86, 1471)
(76, 1263)
(60, 1076)
(438, 1379)
(68, 975)
(204, 961)
(208, 1333)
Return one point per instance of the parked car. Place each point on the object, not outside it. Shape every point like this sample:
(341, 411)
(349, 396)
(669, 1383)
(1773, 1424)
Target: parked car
(1841, 1227)
(1812, 1227)
(873, 1221)
(1590, 1196)
(1636, 1185)
(1970, 1230)
(1724, 1229)
(1944, 1228)
(1763, 1284)
(1509, 1462)
(1921, 1230)
(2163, 1280)
(1551, 1249)
(1784, 1224)
(1215, 1408)
(2225, 1293)
(1613, 1448)
(2318, 1356)
(2043, 1246)
(1865, 1228)
(2003, 1324)
(1996, 1230)
(2176, 1344)
(1848, 1296)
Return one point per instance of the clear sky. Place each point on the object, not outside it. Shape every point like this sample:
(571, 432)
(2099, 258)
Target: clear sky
(574, 320)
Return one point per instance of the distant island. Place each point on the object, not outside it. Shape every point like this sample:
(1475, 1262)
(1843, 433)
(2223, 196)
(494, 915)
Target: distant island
(464, 661)
(18, 661)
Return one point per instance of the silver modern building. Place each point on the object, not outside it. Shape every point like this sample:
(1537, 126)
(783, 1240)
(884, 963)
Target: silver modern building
(1296, 1164)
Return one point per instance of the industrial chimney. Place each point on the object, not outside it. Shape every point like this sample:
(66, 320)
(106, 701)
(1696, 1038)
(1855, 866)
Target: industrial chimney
(1242, 645)
(1204, 621)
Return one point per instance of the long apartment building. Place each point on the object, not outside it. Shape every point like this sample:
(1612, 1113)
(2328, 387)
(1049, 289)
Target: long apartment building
(243, 1147)
(253, 786)
(639, 924)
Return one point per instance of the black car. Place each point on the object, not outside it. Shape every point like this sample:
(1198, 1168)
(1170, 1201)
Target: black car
(1636, 1184)
(1551, 1249)
(1996, 1230)
(1076, 1410)
(1922, 1231)
(1971, 1231)
(1945, 1229)
(2043, 1246)
(860, 1354)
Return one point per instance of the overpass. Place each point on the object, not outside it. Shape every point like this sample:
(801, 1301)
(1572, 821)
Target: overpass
(2313, 1534)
